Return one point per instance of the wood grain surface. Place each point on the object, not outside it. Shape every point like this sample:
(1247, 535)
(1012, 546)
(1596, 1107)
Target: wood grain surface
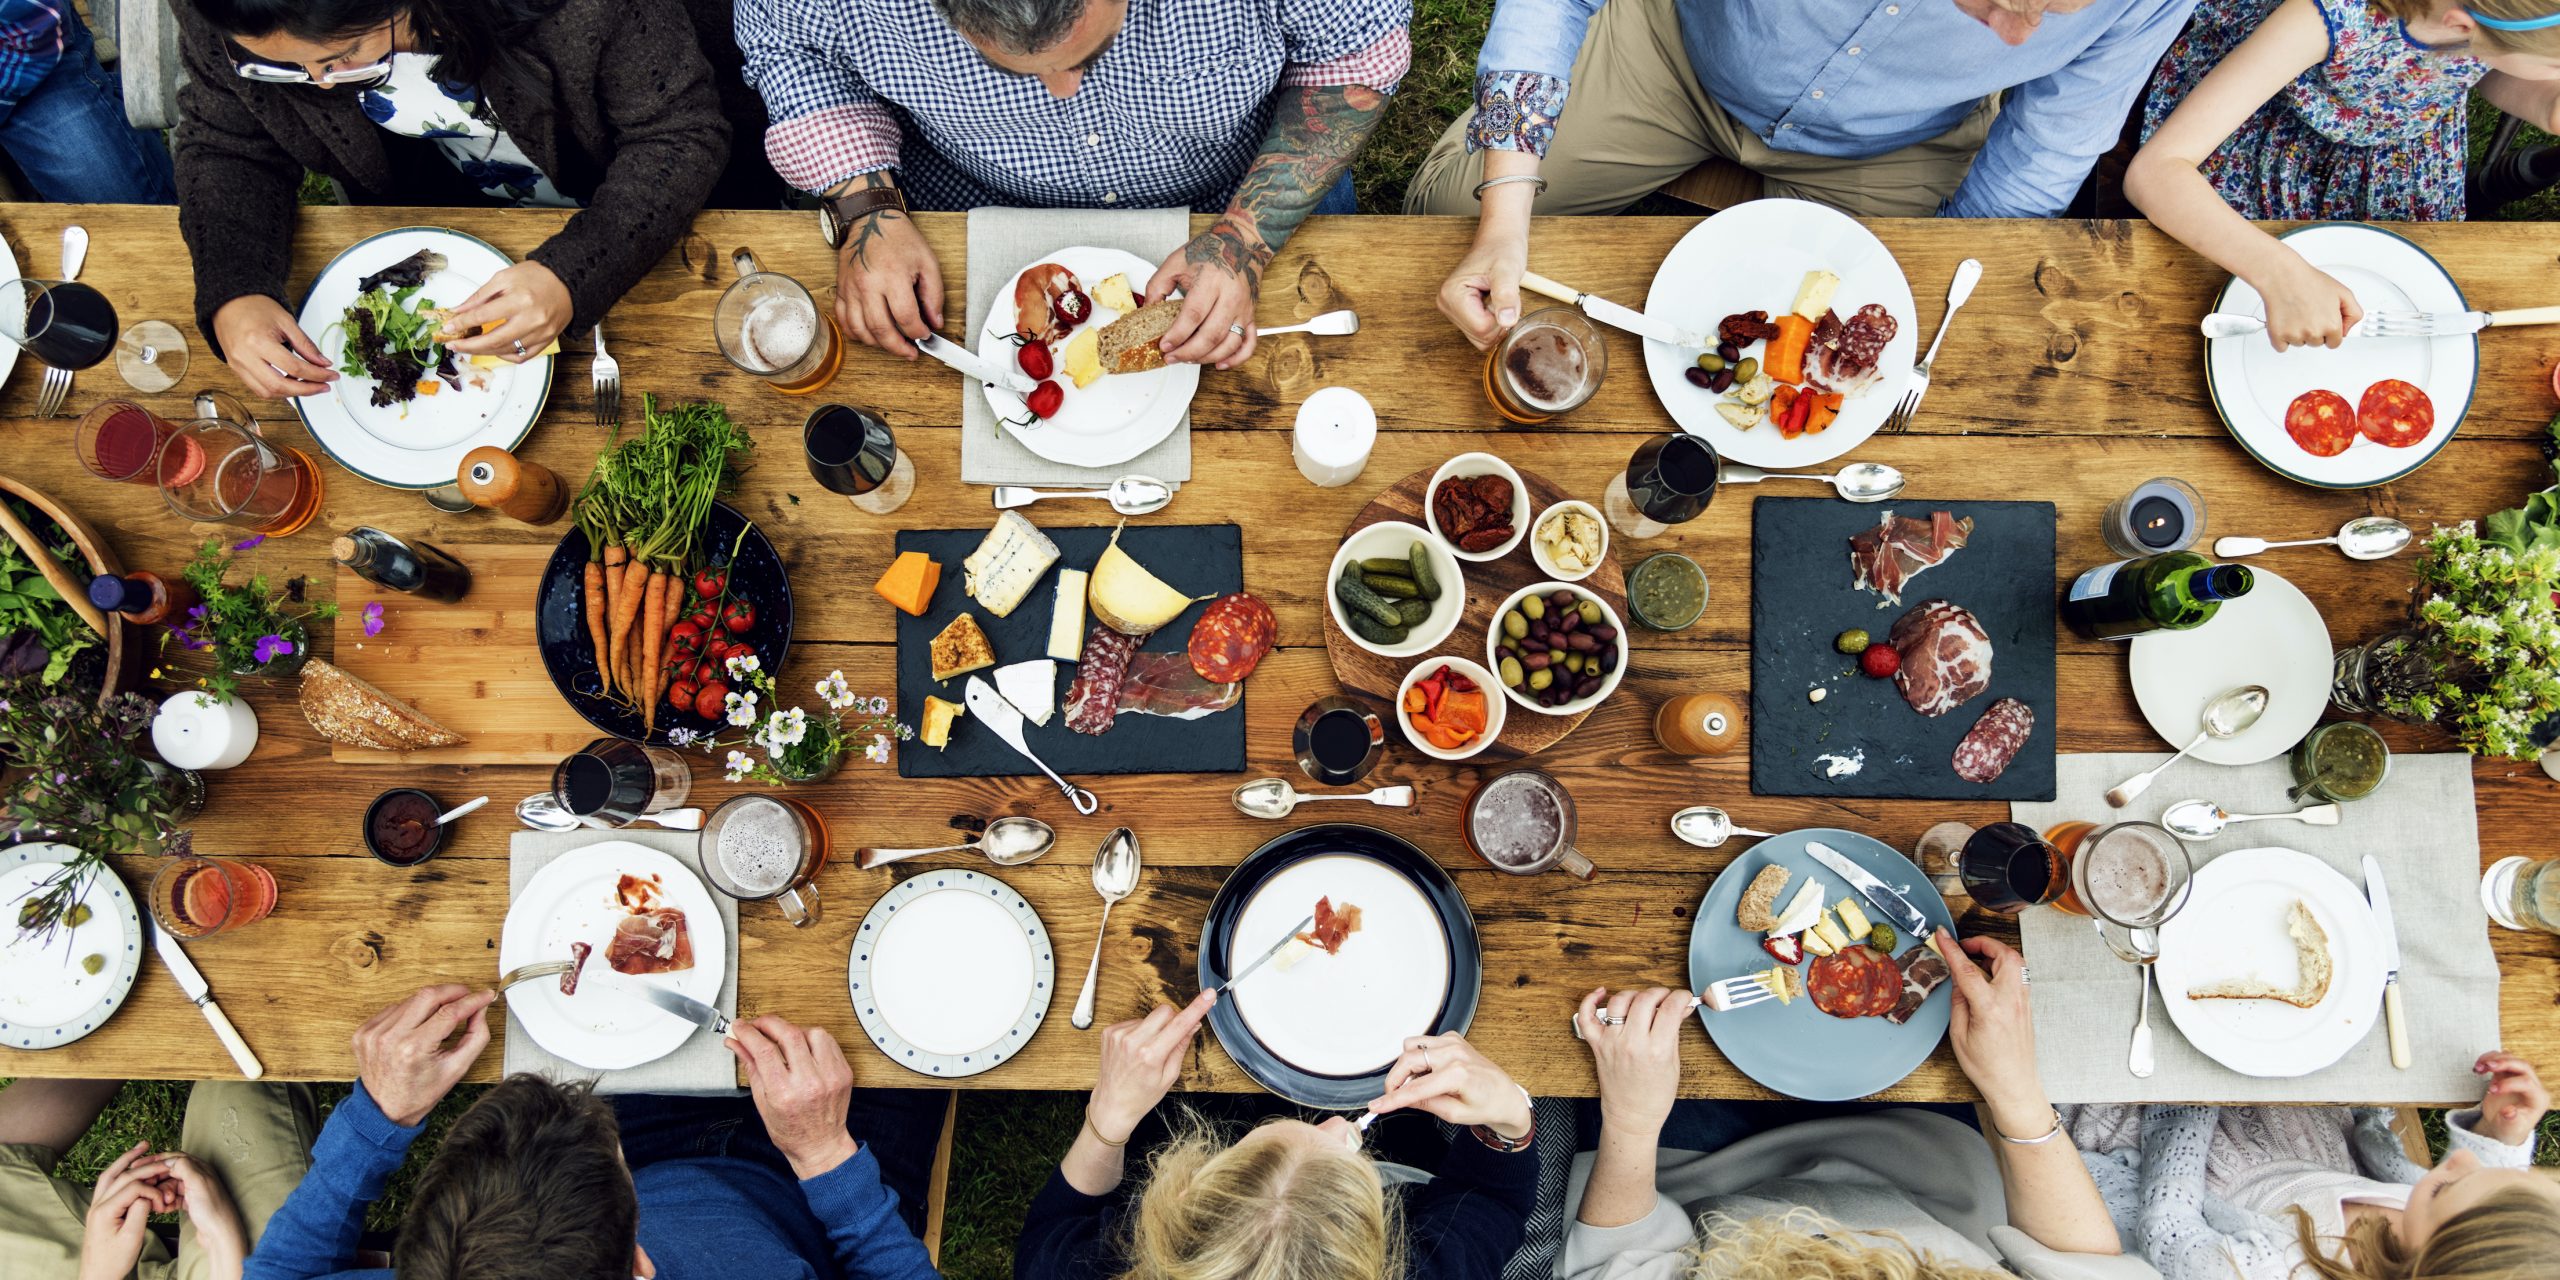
(2072, 375)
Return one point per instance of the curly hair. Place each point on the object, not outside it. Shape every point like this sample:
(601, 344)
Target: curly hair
(2511, 1235)
(1803, 1245)
(1214, 1210)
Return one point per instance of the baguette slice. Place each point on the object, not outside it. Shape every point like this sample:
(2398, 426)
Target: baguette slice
(348, 709)
(2311, 950)
(1129, 343)
(1758, 911)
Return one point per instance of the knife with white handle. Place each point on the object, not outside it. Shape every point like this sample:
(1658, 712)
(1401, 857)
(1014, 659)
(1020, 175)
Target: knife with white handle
(2379, 894)
(967, 361)
(191, 981)
(1005, 721)
(1614, 315)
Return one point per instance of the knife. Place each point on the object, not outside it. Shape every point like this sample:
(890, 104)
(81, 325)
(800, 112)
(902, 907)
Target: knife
(1614, 315)
(1005, 722)
(2379, 894)
(191, 981)
(707, 1017)
(1265, 958)
(967, 361)
(1877, 893)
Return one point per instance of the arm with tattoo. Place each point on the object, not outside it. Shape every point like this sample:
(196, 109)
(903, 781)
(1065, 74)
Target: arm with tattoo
(1313, 135)
(888, 284)
(870, 226)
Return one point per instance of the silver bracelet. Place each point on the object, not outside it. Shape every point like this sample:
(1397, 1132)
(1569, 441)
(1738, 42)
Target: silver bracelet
(1489, 183)
(2048, 1135)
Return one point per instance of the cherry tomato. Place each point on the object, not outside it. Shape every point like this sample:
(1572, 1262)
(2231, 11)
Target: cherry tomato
(682, 694)
(706, 672)
(1880, 661)
(1045, 399)
(1033, 355)
(712, 701)
(686, 633)
(739, 617)
(703, 619)
(709, 583)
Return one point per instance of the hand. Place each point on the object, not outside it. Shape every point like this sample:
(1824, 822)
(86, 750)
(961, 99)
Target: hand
(803, 1086)
(888, 284)
(401, 1055)
(128, 1192)
(1447, 1077)
(1482, 294)
(520, 311)
(1994, 1032)
(2305, 305)
(1638, 1056)
(1141, 1059)
(1220, 276)
(220, 1232)
(269, 352)
(2513, 1107)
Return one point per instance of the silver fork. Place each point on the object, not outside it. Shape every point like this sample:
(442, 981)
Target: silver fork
(1968, 272)
(1724, 995)
(57, 382)
(607, 373)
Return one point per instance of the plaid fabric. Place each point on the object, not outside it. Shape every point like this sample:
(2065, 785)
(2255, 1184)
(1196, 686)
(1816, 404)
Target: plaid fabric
(1171, 115)
(30, 46)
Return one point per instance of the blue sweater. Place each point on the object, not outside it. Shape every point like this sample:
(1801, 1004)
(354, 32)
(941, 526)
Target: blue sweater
(712, 1217)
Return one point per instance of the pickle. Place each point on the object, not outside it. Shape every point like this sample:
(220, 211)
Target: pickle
(1394, 586)
(1420, 560)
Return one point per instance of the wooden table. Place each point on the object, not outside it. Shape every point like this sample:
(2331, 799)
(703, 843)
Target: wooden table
(2072, 376)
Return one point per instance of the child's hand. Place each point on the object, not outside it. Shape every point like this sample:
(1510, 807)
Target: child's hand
(2512, 1108)
(2305, 305)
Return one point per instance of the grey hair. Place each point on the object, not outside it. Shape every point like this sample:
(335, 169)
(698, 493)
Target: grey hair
(1015, 26)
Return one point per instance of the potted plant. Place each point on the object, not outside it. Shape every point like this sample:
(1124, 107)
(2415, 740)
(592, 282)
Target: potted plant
(250, 629)
(2480, 657)
(796, 746)
(89, 785)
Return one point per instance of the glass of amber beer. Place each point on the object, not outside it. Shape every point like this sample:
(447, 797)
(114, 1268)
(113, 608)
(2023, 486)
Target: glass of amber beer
(768, 325)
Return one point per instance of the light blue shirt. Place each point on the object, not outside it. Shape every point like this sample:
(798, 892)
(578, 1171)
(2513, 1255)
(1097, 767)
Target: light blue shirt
(1857, 78)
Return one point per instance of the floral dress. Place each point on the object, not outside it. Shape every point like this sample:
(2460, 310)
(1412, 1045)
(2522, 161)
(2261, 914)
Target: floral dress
(414, 104)
(2375, 133)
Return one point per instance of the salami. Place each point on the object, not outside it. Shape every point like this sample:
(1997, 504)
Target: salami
(1859, 982)
(1230, 638)
(1093, 700)
(1846, 353)
(578, 952)
(2322, 422)
(2395, 414)
(1923, 971)
(1994, 740)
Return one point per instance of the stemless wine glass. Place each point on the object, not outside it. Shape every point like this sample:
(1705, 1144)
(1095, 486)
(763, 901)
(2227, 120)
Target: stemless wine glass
(219, 469)
(1669, 480)
(196, 897)
(1548, 364)
(855, 454)
(64, 323)
(768, 325)
(120, 440)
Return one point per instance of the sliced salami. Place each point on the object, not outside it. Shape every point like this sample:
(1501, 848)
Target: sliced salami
(1845, 361)
(1231, 636)
(2322, 422)
(1858, 982)
(1994, 740)
(1093, 700)
(1923, 971)
(2395, 414)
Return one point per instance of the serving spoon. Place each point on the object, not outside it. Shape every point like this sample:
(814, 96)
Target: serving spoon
(1857, 482)
(1275, 798)
(2363, 538)
(1115, 876)
(2226, 715)
(1129, 495)
(2203, 819)
(1009, 841)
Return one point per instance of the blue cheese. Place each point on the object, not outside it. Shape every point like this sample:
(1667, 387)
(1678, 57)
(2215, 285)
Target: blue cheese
(1066, 617)
(1008, 564)
(1032, 688)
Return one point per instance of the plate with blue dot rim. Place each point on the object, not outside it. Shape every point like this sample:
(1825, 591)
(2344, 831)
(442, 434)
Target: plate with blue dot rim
(48, 997)
(951, 973)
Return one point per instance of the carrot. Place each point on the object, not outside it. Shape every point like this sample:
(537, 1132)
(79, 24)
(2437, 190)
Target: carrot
(592, 603)
(653, 642)
(626, 606)
(609, 650)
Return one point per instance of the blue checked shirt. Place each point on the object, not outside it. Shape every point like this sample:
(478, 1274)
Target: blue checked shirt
(1171, 115)
(30, 47)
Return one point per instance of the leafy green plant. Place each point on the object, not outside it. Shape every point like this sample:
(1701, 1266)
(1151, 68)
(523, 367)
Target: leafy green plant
(37, 629)
(2537, 522)
(243, 627)
(89, 786)
(797, 746)
(2488, 640)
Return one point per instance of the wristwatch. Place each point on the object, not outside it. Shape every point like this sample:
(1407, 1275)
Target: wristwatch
(837, 214)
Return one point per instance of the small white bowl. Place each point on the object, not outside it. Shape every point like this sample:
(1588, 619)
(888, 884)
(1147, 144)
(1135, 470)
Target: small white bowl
(1608, 683)
(1538, 550)
(1477, 464)
(1396, 538)
(1494, 706)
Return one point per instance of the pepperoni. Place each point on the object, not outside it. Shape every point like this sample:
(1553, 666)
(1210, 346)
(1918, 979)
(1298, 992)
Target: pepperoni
(2395, 414)
(2322, 422)
(1230, 638)
(1858, 982)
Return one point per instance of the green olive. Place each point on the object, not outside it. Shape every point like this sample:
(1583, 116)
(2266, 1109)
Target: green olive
(1852, 642)
(29, 912)
(1534, 608)
(78, 915)
(1710, 362)
(1539, 680)
(1513, 625)
(1591, 614)
(1747, 370)
(1511, 673)
(91, 964)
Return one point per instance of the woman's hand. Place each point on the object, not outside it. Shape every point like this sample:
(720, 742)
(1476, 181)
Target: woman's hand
(1220, 275)
(519, 313)
(128, 1192)
(2305, 305)
(1447, 1077)
(888, 284)
(268, 350)
(1482, 294)
(2513, 1107)
(1637, 1053)
(220, 1232)
(1994, 1032)
(1141, 1059)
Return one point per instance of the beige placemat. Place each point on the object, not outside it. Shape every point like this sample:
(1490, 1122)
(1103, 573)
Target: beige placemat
(1002, 242)
(703, 1063)
(2422, 828)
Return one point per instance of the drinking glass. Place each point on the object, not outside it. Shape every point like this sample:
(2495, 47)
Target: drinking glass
(1338, 741)
(152, 356)
(2522, 893)
(768, 325)
(2004, 867)
(2339, 761)
(221, 470)
(855, 454)
(2134, 875)
(1549, 363)
(120, 440)
(1522, 822)
(759, 848)
(615, 781)
(197, 897)
(64, 323)
(1669, 480)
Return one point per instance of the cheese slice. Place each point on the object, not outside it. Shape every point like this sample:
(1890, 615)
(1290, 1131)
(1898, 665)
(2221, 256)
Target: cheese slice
(1116, 294)
(1082, 357)
(1066, 617)
(938, 716)
(1853, 922)
(1817, 945)
(1127, 598)
(1828, 933)
(1802, 910)
(1032, 688)
(1008, 563)
(1813, 297)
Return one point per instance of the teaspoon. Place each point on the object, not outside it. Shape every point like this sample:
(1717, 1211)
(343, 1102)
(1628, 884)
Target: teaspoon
(1857, 482)
(1707, 827)
(2363, 538)
(1115, 876)
(2203, 819)
(1332, 324)
(1274, 797)
(1129, 495)
(1009, 841)
(2224, 716)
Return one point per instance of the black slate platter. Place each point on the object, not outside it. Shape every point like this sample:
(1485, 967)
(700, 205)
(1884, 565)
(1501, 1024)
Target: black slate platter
(1803, 597)
(1195, 559)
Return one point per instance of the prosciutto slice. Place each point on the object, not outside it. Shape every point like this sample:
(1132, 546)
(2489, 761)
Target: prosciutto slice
(1334, 925)
(1164, 684)
(1886, 557)
(650, 942)
(1844, 353)
(1946, 656)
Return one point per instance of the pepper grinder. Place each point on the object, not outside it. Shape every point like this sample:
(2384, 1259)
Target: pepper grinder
(526, 491)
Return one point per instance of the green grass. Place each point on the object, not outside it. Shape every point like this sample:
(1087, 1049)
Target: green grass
(2484, 123)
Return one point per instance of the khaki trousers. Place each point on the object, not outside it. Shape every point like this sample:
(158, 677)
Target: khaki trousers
(1636, 118)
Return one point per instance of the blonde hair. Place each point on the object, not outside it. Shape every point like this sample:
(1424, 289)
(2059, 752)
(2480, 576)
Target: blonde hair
(2545, 42)
(1214, 1210)
(1803, 1245)
(2510, 1235)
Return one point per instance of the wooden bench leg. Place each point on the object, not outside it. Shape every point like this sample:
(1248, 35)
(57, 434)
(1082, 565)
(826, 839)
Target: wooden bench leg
(938, 1184)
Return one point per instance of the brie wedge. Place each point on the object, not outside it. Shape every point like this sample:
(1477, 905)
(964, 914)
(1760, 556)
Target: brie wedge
(1032, 688)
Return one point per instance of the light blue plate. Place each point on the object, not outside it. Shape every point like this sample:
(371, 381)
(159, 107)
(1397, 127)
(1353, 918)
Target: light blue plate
(1797, 1049)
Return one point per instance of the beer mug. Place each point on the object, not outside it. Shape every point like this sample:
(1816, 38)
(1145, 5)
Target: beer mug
(759, 848)
(768, 325)
(1523, 822)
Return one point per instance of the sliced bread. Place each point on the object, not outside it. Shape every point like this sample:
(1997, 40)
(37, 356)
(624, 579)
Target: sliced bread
(1129, 343)
(1759, 908)
(2311, 952)
(348, 709)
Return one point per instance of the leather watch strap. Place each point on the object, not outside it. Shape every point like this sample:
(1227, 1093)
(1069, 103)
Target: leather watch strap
(853, 206)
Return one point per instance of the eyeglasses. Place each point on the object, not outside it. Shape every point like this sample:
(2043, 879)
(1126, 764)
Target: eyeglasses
(270, 73)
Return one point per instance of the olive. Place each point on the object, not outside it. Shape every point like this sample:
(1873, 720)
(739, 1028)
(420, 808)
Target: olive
(77, 915)
(1604, 633)
(1747, 369)
(1608, 660)
(1511, 674)
(1505, 651)
(1562, 599)
(1514, 626)
(1586, 687)
(1699, 378)
(29, 912)
(1533, 608)
(1852, 642)
(1537, 661)
(1534, 644)
(1591, 611)
(1541, 679)
(91, 964)
(1567, 623)
(1721, 380)
(1582, 642)
(1711, 362)
(1729, 351)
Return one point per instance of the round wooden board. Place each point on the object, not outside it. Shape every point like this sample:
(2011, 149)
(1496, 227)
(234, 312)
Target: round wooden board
(1374, 679)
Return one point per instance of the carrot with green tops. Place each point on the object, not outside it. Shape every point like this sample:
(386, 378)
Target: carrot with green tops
(652, 646)
(626, 613)
(609, 645)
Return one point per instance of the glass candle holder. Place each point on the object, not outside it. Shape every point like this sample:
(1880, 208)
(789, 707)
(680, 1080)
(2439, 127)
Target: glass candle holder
(2161, 515)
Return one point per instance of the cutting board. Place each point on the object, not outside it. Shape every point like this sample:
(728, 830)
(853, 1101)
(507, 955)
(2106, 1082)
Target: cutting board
(474, 665)
(1803, 596)
(1200, 559)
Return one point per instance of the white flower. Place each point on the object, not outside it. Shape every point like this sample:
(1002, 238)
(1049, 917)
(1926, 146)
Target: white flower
(743, 663)
(878, 751)
(741, 707)
(740, 765)
(787, 728)
(876, 707)
(837, 693)
(680, 738)
(763, 738)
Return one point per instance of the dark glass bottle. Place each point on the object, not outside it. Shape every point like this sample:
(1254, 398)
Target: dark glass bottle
(414, 567)
(143, 597)
(2172, 592)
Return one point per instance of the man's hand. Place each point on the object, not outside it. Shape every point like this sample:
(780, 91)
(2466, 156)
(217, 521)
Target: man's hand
(520, 311)
(1994, 1031)
(1637, 1053)
(2513, 1107)
(220, 1232)
(1220, 275)
(1482, 294)
(128, 1193)
(402, 1057)
(803, 1086)
(888, 284)
(268, 350)
(1447, 1077)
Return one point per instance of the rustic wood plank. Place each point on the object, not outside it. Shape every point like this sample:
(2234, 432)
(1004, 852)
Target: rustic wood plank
(473, 665)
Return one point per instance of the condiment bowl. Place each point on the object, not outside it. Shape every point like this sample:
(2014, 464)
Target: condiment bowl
(1479, 464)
(1396, 538)
(1608, 682)
(435, 833)
(1538, 550)
(1495, 706)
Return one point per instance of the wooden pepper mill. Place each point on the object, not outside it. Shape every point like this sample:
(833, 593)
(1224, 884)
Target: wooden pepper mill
(527, 491)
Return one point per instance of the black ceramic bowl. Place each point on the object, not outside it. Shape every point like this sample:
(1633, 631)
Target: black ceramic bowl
(435, 834)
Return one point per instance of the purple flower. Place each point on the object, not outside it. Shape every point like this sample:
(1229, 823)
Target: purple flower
(270, 648)
(248, 542)
(372, 618)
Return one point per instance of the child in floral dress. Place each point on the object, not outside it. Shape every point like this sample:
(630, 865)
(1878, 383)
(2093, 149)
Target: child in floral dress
(2344, 109)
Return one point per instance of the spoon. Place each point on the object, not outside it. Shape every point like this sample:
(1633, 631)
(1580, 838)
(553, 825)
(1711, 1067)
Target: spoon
(2363, 538)
(1129, 495)
(1009, 841)
(466, 807)
(1274, 797)
(1332, 324)
(2234, 711)
(1707, 827)
(1857, 482)
(542, 813)
(1115, 876)
(2203, 819)
(2143, 950)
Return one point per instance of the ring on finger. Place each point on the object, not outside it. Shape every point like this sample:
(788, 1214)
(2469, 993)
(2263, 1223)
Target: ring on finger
(1236, 329)
(1608, 1019)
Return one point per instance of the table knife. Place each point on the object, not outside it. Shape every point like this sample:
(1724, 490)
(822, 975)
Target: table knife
(191, 981)
(1614, 315)
(1005, 722)
(1265, 958)
(2379, 894)
(1897, 908)
(707, 1017)
(967, 361)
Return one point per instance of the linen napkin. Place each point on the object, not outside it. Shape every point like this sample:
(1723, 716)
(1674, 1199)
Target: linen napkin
(1002, 242)
(2419, 824)
(702, 1065)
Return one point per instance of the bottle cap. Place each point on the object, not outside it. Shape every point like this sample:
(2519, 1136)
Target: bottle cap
(344, 548)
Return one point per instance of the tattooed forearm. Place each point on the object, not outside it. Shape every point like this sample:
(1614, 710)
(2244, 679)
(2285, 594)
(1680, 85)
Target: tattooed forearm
(1313, 135)
(868, 227)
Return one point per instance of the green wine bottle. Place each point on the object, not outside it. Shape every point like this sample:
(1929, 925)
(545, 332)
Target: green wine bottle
(2173, 592)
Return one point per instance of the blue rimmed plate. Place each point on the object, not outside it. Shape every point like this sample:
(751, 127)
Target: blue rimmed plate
(47, 998)
(952, 973)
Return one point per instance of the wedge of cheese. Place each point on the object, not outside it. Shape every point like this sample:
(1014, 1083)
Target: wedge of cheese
(1802, 910)
(1117, 294)
(1813, 297)
(1853, 922)
(1066, 617)
(1082, 357)
(960, 649)
(938, 716)
(1127, 598)
(1008, 563)
(1032, 688)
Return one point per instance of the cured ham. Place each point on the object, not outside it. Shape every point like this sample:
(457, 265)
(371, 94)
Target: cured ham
(1333, 926)
(650, 942)
(1886, 557)
(1923, 971)
(1844, 354)
(1166, 684)
(1093, 699)
(1946, 656)
(578, 952)
(1048, 302)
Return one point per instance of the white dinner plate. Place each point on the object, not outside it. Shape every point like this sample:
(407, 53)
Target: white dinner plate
(2252, 384)
(574, 900)
(2233, 927)
(1753, 257)
(47, 999)
(418, 445)
(2273, 636)
(1121, 415)
(951, 972)
(1347, 1014)
(8, 272)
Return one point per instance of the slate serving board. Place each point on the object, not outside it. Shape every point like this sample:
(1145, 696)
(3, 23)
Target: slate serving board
(1199, 559)
(1803, 597)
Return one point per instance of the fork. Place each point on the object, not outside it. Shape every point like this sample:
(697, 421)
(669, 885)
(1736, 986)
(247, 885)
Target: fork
(57, 382)
(1967, 273)
(1724, 995)
(607, 373)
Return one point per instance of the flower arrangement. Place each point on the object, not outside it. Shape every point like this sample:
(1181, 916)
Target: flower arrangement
(245, 627)
(797, 746)
(2483, 661)
(89, 786)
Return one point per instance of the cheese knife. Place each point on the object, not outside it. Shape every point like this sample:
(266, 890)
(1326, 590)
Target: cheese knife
(967, 361)
(2379, 894)
(1265, 957)
(1005, 722)
(200, 993)
(707, 1017)
(1615, 315)
(1897, 909)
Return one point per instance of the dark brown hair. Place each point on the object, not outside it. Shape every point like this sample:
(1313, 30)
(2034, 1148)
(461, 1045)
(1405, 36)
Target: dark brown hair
(528, 1186)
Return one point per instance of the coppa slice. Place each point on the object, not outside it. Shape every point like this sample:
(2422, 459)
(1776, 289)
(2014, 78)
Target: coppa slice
(2322, 422)
(1923, 971)
(2395, 414)
(1946, 656)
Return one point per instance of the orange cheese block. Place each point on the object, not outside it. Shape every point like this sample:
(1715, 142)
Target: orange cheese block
(910, 582)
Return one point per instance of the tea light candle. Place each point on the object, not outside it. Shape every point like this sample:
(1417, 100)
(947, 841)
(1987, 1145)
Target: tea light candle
(1336, 430)
(2160, 515)
(193, 731)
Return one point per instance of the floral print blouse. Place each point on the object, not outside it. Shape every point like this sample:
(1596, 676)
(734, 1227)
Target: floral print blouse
(414, 104)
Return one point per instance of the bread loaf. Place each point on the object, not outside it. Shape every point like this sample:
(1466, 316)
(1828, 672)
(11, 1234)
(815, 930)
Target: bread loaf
(2311, 951)
(1129, 343)
(348, 709)
(1758, 911)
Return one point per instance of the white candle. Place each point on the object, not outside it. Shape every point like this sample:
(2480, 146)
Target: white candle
(193, 731)
(2551, 760)
(1336, 430)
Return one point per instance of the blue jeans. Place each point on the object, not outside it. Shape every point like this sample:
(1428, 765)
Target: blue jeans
(1342, 199)
(900, 1126)
(69, 135)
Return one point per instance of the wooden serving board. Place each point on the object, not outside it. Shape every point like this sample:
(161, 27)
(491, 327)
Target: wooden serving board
(474, 665)
(1374, 679)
